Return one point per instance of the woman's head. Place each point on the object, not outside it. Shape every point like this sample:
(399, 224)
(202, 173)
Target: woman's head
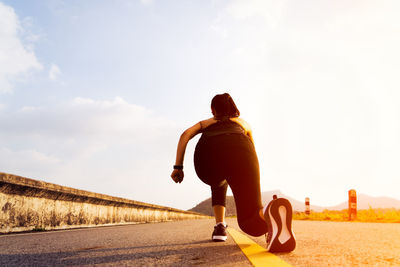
(223, 106)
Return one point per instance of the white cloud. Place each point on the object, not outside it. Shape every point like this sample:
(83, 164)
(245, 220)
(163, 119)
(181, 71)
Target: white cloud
(96, 121)
(147, 2)
(216, 26)
(269, 10)
(116, 116)
(318, 82)
(16, 161)
(16, 58)
(107, 146)
(54, 72)
(28, 109)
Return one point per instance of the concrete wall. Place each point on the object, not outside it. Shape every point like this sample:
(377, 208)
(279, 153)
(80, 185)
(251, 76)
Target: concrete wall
(28, 204)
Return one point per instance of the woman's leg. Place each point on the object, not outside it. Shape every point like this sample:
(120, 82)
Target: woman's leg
(244, 180)
(232, 157)
(218, 199)
(249, 209)
(219, 213)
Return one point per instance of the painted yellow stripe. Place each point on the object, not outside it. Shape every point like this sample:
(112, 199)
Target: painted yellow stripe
(257, 255)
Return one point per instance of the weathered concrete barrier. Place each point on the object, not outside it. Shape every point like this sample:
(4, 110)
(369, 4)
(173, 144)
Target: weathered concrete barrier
(28, 204)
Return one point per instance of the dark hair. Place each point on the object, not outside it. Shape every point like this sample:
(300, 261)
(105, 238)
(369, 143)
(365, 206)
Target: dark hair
(224, 107)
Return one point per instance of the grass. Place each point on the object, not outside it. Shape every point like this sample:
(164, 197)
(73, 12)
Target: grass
(369, 215)
(38, 229)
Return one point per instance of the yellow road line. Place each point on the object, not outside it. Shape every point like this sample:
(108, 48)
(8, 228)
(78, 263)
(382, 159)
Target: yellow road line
(257, 255)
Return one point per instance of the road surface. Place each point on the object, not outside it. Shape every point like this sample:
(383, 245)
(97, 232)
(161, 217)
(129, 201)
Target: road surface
(187, 243)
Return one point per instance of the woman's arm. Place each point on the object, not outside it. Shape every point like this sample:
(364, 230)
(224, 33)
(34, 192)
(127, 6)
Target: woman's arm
(177, 175)
(183, 140)
(250, 135)
(246, 127)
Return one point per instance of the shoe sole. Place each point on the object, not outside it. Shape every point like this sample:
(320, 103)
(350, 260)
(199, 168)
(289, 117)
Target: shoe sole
(219, 238)
(280, 217)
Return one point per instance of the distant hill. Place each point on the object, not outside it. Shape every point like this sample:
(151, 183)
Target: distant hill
(297, 205)
(363, 202)
(206, 208)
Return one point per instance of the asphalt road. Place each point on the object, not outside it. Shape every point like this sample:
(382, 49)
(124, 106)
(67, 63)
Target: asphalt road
(187, 243)
(344, 244)
(181, 243)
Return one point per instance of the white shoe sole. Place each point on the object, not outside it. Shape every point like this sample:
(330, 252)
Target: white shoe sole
(219, 237)
(280, 218)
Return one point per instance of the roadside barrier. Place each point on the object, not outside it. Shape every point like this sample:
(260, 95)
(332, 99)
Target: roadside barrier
(352, 204)
(28, 204)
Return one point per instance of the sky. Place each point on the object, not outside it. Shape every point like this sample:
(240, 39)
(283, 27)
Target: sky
(94, 94)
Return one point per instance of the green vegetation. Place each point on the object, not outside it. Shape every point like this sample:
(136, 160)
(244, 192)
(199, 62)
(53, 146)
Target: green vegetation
(369, 215)
(38, 229)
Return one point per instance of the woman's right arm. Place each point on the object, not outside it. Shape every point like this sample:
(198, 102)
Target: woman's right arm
(183, 140)
(177, 175)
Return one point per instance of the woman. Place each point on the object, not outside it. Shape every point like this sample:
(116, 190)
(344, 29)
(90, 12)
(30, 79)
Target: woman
(225, 155)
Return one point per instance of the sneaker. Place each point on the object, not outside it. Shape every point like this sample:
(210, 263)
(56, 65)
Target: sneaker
(268, 235)
(219, 234)
(278, 216)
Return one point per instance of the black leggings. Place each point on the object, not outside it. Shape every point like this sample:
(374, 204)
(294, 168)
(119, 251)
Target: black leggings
(230, 159)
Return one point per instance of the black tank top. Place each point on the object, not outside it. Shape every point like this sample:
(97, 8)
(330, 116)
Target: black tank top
(225, 126)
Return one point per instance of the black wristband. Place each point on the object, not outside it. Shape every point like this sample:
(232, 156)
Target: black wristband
(178, 167)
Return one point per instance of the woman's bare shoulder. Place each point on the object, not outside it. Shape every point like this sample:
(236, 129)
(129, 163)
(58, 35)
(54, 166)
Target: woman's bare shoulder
(207, 122)
(242, 123)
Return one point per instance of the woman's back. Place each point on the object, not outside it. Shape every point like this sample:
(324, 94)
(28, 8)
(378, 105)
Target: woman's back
(212, 126)
(224, 126)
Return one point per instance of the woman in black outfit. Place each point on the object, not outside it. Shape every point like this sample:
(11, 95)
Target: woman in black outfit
(225, 155)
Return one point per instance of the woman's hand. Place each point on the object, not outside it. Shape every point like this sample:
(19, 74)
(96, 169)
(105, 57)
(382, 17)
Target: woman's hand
(177, 176)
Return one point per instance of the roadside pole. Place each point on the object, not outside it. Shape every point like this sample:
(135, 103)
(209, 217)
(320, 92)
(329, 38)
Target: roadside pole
(308, 210)
(352, 205)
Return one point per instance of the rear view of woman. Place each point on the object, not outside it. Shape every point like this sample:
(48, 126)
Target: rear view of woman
(225, 155)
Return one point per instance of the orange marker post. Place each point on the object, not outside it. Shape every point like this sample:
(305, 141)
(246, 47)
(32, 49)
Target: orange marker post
(352, 205)
(308, 210)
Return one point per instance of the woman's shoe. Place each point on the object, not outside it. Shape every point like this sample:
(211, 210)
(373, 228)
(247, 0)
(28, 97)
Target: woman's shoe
(219, 234)
(278, 216)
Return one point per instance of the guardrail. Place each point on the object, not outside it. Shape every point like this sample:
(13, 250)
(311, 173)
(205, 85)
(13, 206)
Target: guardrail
(28, 204)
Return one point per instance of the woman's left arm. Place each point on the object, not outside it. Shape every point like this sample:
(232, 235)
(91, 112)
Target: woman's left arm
(250, 135)
(246, 128)
(177, 174)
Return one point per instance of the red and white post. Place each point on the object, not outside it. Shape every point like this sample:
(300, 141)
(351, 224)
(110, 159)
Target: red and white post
(352, 204)
(308, 210)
